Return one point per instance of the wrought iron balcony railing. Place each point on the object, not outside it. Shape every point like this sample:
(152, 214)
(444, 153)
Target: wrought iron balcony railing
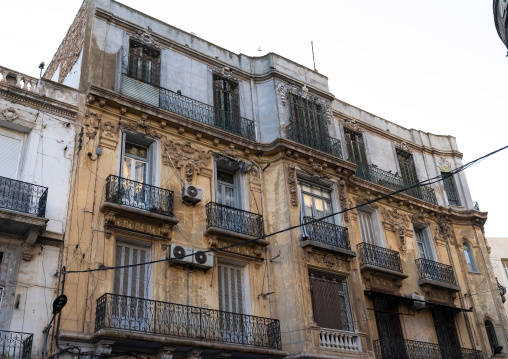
(185, 106)
(139, 195)
(234, 219)
(162, 318)
(321, 142)
(373, 255)
(502, 289)
(327, 233)
(393, 348)
(395, 182)
(23, 197)
(436, 271)
(15, 345)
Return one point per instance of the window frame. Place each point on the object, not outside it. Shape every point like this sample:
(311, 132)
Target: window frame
(240, 186)
(153, 62)
(450, 188)
(470, 259)
(315, 196)
(151, 176)
(376, 228)
(430, 245)
(19, 136)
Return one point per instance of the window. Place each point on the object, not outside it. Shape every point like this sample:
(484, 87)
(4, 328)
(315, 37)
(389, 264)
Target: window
(10, 153)
(330, 302)
(369, 228)
(356, 151)
(226, 191)
(229, 184)
(226, 104)
(316, 201)
(135, 163)
(491, 334)
(423, 244)
(468, 253)
(231, 289)
(144, 63)
(450, 189)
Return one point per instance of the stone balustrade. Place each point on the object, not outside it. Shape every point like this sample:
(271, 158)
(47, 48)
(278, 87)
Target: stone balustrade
(339, 339)
(22, 81)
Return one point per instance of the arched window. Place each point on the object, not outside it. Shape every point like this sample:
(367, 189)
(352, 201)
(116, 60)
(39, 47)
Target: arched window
(468, 253)
(491, 334)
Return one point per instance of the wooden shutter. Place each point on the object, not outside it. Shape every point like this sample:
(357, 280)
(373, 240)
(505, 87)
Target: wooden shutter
(230, 288)
(10, 150)
(132, 281)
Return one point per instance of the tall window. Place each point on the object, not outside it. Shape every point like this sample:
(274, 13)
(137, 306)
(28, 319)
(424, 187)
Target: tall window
(423, 244)
(226, 104)
(369, 228)
(316, 201)
(330, 301)
(144, 63)
(407, 167)
(226, 189)
(135, 162)
(450, 189)
(491, 334)
(231, 288)
(10, 153)
(468, 253)
(356, 152)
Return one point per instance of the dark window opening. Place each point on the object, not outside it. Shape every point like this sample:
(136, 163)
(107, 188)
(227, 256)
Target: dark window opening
(144, 63)
(491, 334)
(450, 189)
(226, 104)
(356, 152)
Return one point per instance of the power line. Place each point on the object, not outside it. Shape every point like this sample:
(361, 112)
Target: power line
(418, 184)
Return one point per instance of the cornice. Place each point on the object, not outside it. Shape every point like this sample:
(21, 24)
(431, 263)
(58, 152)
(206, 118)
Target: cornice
(397, 139)
(34, 100)
(130, 27)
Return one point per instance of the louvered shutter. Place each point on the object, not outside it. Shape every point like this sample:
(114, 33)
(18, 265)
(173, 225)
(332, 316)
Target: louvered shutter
(132, 281)
(10, 150)
(230, 288)
(365, 221)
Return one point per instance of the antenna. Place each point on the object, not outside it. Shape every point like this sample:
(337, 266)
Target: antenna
(312, 45)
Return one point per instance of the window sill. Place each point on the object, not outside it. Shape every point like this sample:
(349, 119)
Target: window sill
(475, 273)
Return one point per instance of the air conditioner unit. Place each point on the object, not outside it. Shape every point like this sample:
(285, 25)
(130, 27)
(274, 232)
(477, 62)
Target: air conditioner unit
(418, 301)
(202, 259)
(191, 194)
(180, 253)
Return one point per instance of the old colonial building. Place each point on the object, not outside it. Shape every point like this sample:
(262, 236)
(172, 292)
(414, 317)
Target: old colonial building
(188, 147)
(498, 253)
(36, 156)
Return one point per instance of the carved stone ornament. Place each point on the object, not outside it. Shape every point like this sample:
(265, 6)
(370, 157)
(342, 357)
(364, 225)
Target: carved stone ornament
(399, 223)
(243, 166)
(376, 281)
(364, 198)
(165, 352)
(70, 49)
(91, 123)
(283, 94)
(225, 72)
(445, 230)
(185, 155)
(104, 347)
(163, 230)
(419, 218)
(403, 146)
(145, 38)
(10, 114)
(293, 190)
(315, 170)
(343, 199)
(284, 89)
(444, 165)
(27, 251)
(442, 295)
(327, 260)
(328, 113)
(254, 175)
(352, 125)
(109, 129)
(245, 250)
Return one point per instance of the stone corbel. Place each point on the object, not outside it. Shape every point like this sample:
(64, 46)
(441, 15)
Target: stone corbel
(165, 353)
(194, 354)
(27, 246)
(104, 347)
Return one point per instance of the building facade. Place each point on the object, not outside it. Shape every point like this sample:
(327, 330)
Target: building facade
(498, 252)
(199, 161)
(37, 124)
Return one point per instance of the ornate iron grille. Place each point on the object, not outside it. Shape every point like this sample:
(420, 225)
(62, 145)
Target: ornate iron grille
(234, 219)
(327, 233)
(144, 63)
(502, 289)
(450, 189)
(15, 345)
(23, 197)
(327, 144)
(370, 254)
(139, 195)
(162, 318)
(199, 111)
(393, 348)
(436, 271)
(330, 302)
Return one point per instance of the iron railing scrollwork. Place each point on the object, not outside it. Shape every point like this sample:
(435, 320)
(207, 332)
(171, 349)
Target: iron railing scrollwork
(163, 318)
(139, 195)
(502, 289)
(234, 219)
(370, 254)
(397, 348)
(326, 143)
(15, 345)
(23, 197)
(327, 233)
(436, 271)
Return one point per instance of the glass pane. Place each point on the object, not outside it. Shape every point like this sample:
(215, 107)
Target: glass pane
(135, 150)
(230, 196)
(320, 211)
(305, 188)
(219, 194)
(127, 163)
(307, 205)
(140, 174)
(225, 177)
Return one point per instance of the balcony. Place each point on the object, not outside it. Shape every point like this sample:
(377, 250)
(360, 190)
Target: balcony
(185, 106)
(339, 339)
(321, 142)
(394, 182)
(15, 345)
(409, 349)
(233, 222)
(381, 267)
(436, 274)
(23, 197)
(326, 236)
(115, 313)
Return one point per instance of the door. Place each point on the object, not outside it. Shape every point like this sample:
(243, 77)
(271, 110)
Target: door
(132, 308)
(226, 103)
(446, 331)
(390, 334)
(357, 153)
(234, 325)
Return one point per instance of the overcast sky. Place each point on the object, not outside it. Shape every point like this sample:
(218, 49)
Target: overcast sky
(433, 65)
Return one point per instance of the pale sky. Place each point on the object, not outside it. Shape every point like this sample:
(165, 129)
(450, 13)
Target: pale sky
(433, 65)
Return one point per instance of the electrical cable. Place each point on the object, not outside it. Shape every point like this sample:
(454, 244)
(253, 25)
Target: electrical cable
(418, 184)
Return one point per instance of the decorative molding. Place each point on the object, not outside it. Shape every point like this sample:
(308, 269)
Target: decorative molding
(283, 94)
(403, 146)
(364, 198)
(343, 199)
(255, 251)
(254, 175)
(315, 171)
(292, 184)
(285, 89)
(10, 114)
(398, 223)
(226, 72)
(444, 165)
(145, 38)
(378, 281)
(442, 295)
(185, 155)
(445, 230)
(104, 347)
(420, 218)
(244, 167)
(352, 125)
(165, 352)
(109, 129)
(112, 218)
(91, 122)
(327, 260)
